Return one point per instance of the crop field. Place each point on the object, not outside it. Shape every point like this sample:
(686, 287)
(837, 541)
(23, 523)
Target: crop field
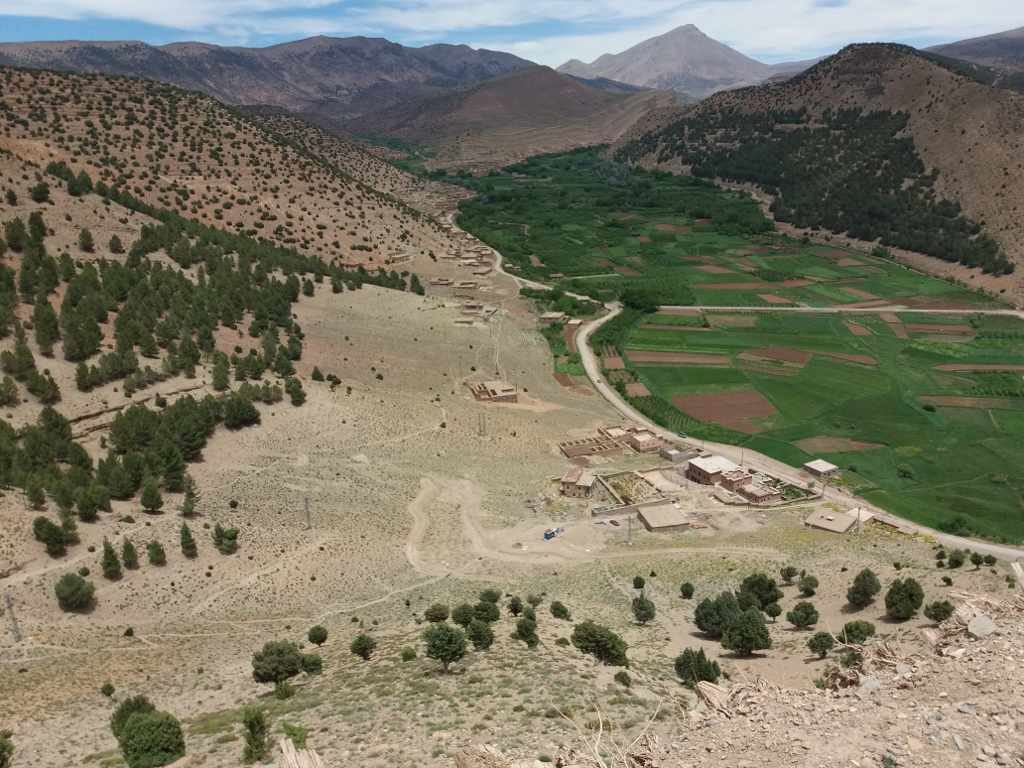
(924, 413)
(598, 229)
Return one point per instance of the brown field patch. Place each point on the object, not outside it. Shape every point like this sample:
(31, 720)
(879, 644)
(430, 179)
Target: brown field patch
(564, 379)
(957, 401)
(694, 258)
(735, 410)
(847, 358)
(613, 363)
(846, 261)
(715, 269)
(670, 327)
(856, 328)
(732, 321)
(831, 253)
(627, 271)
(643, 239)
(829, 444)
(946, 338)
(783, 354)
(751, 286)
(569, 334)
(637, 389)
(680, 358)
(685, 311)
(866, 304)
(890, 317)
(800, 282)
(979, 367)
(535, 260)
(676, 228)
(773, 298)
(859, 293)
(947, 328)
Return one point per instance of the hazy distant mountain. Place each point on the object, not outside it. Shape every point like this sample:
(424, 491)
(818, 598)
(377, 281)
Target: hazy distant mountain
(684, 59)
(1003, 50)
(326, 75)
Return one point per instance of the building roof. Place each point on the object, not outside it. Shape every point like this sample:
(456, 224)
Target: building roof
(713, 464)
(572, 475)
(552, 316)
(821, 466)
(837, 522)
(666, 515)
(499, 387)
(643, 437)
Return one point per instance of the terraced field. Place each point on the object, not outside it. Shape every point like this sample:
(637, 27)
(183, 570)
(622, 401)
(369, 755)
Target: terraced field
(924, 413)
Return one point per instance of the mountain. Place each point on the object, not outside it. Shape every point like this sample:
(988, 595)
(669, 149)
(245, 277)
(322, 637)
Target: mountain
(322, 75)
(508, 118)
(1003, 50)
(684, 59)
(879, 142)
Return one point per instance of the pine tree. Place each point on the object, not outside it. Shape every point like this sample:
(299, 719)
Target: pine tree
(188, 504)
(85, 241)
(44, 321)
(220, 372)
(173, 465)
(129, 555)
(115, 244)
(155, 553)
(152, 501)
(188, 542)
(109, 563)
(9, 392)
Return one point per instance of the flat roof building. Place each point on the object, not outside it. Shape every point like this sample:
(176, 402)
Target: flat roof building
(821, 468)
(577, 483)
(495, 391)
(708, 470)
(663, 517)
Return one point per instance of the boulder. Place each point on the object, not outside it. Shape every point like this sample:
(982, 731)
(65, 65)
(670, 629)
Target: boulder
(981, 626)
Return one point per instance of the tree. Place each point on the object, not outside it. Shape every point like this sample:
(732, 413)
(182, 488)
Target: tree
(939, 611)
(317, 374)
(129, 555)
(714, 615)
(486, 611)
(317, 635)
(977, 559)
(515, 606)
(9, 392)
(40, 193)
(239, 411)
(643, 610)
(221, 373)
(803, 615)
(109, 562)
(821, 643)
(45, 325)
(312, 663)
(480, 634)
(857, 632)
(6, 749)
(559, 611)
(155, 553)
(225, 540)
(445, 643)
(436, 613)
(254, 722)
(51, 534)
(903, 599)
(295, 391)
(638, 582)
(490, 596)
(808, 585)
(133, 705)
(693, 667)
(747, 633)
(152, 739)
(36, 493)
(762, 587)
(788, 573)
(277, 663)
(990, 560)
(74, 593)
(115, 245)
(864, 588)
(188, 543)
(686, 590)
(773, 611)
(188, 504)
(107, 689)
(152, 501)
(85, 241)
(600, 642)
(363, 646)
(956, 558)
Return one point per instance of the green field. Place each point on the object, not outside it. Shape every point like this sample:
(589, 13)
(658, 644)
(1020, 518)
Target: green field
(598, 229)
(942, 464)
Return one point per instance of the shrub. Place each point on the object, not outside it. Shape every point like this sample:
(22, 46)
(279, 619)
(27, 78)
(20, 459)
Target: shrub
(463, 614)
(480, 634)
(638, 582)
(643, 610)
(151, 739)
(363, 646)
(490, 596)
(296, 733)
(534, 600)
(857, 632)
(6, 747)
(312, 663)
(436, 613)
(486, 611)
(761, 587)
(939, 611)
(990, 560)
(445, 643)
(317, 635)
(559, 611)
(254, 722)
(601, 643)
(713, 615)
(130, 706)
(977, 559)
(903, 599)
(803, 615)
(956, 558)
(773, 611)
(408, 654)
(276, 663)
(808, 585)
(107, 689)
(788, 573)
(693, 666)
(947, 580)
(864, 588)
(515, 606)
(622, 678)
(74, 593)
(747, 633)
(526, 630)
(821, 643)
(686, 590)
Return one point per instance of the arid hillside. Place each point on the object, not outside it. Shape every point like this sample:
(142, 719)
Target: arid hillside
(184, 151)
(512, 117)
(868, 142)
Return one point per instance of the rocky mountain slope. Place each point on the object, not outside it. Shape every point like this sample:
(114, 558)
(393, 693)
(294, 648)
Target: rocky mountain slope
(1003, 50)
(879, 141)
(184, 151)
(684, 60)
(337, 77)
(511, 117)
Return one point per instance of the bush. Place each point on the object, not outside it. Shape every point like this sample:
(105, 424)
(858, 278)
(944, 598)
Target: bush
(694, 666)
(74, 593)
(601, 643)
(788, 573)
(526, 630)
(864, 588)
(857, 632)
(486, 611)
(643, 610)
(559, 611)
(773, 611)
(622, 678)
(956, 558)
(821, 643)
(747, 633)
(490, 596)
(903, 599)
(151, 740)
(254, 722)
(445, 643)
(638, 582)
(977, 559)
(686, 590)
(480, 634)
(130, 706)
(317, 635)
(107, 689)
(939, 611)
(312, 663)
(761, 587)
(803, 615)
(436, 613)
(515, 606)
(714, 615)
(463, 614)
(408, 654)
(277, 662)
(808, 585)
(6, 747)
(363, 646)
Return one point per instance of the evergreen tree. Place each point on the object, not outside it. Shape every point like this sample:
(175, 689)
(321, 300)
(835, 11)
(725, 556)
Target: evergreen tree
(220, 372)
(903, 599)
(363, 646)
(257, 736)
(85, 241)
(747, 633)
(821, 643)
(40, 193)
(294, 389)
(480, 634)
(803, 615)
(445, 643)
(864, 588)
(155, 553)
(191, 499)
(152, 501)
(693, 667)
(47, 328)
(129, 556)
(109, 563)
(115, 245)
(188, 543)
(74, 593)
(9, 392)
(643, 610)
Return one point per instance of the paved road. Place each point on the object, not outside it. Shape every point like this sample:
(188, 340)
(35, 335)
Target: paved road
(753, 459)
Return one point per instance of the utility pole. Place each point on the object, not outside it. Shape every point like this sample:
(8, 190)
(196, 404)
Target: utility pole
(309, 521)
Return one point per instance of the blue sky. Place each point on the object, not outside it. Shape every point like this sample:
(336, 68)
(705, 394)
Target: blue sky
(546, 31)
